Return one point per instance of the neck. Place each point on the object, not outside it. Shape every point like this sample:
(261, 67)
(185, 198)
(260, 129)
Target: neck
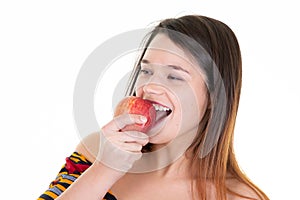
(165, 158)
(177, 169)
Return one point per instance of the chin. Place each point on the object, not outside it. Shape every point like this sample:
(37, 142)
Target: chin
(160, 139)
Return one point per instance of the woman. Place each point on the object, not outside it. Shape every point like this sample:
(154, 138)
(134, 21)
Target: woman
(190, 67)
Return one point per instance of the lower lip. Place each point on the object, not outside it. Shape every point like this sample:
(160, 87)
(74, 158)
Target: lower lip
(158, 126)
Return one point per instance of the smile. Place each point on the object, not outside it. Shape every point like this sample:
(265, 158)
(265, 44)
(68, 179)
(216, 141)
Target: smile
(161, 111)
(161, 108)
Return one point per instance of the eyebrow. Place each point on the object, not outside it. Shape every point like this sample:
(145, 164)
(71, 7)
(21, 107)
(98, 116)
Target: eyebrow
(176, 67)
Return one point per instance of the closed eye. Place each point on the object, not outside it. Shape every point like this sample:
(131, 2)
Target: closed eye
(172, 77)
(146, 72)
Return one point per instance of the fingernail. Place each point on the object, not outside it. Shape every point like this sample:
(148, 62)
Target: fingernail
(143, 119)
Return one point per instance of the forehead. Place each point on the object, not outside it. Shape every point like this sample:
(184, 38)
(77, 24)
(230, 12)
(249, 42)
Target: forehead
(162, 50)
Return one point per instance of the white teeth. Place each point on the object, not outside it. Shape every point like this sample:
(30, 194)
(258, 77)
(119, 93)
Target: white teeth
(160, 108)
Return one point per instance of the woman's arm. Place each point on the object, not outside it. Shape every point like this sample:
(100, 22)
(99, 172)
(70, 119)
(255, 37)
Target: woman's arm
(97, 179)
(80, 179)
(75, 166)
(92, 184)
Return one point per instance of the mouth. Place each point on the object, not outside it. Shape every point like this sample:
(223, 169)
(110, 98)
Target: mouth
(161, 112)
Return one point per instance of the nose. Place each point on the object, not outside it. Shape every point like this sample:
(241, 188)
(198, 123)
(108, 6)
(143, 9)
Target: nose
(152, 85)
(153, 88)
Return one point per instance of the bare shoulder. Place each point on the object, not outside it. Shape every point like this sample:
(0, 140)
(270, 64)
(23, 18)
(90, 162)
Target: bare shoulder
(242, 189)
(89, 146)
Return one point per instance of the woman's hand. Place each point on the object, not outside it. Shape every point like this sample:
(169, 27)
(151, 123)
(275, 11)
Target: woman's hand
(117, 151)
(120, 149)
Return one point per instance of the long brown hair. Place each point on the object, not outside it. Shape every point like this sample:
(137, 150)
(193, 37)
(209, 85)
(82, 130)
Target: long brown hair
(218, 41)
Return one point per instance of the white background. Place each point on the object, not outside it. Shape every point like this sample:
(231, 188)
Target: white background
(44, 43)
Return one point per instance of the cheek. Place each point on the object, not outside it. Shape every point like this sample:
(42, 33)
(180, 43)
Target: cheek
(193, 102)
(203, 103)
(138, 92)
(137, 87)
(187, 114)
(201, 98)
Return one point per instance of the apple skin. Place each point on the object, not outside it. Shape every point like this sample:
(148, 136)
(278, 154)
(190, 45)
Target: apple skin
(137, 105)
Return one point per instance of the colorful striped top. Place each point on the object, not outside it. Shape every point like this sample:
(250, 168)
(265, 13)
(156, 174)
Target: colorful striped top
(75, 165)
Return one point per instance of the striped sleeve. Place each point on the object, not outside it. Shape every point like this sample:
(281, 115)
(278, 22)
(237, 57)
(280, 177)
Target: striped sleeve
(75, 165)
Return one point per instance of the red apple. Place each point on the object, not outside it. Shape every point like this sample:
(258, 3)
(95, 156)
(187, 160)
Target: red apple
(137, 105)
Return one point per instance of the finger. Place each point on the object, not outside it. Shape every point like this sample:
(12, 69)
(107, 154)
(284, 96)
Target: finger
(132, 147)
(123, 137)
(136, 136)
(123, 120)
(118, 155)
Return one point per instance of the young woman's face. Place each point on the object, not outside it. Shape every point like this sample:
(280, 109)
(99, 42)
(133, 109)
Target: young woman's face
(175, 84)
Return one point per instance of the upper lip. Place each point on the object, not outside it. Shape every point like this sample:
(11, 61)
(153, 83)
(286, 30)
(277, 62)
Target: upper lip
(155, 102)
